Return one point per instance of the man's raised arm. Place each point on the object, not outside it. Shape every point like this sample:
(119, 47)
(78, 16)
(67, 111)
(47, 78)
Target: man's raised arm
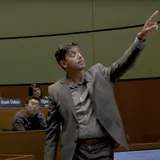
(117, 69)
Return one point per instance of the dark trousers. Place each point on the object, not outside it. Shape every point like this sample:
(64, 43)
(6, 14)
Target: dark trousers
(100, 151)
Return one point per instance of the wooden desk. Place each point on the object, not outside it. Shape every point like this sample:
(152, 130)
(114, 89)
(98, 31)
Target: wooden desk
(7, 114)
(32, 143)
(28, 143)
(16, 157)
(27, 157)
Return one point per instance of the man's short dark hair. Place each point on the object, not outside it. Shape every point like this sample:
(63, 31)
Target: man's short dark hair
(63, 50)
(32, 97)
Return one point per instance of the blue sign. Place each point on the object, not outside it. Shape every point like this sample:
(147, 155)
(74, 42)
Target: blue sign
(10, 103)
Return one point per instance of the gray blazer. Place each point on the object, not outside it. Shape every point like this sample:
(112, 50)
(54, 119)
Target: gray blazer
(100, 83)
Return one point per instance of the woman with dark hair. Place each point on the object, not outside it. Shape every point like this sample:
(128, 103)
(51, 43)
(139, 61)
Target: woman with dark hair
(35, 90)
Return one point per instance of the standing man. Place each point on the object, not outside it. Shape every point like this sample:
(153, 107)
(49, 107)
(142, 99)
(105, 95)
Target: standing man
(84, 102)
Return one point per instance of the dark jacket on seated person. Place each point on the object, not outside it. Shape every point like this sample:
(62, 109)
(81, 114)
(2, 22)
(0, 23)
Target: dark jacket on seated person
(23, 122)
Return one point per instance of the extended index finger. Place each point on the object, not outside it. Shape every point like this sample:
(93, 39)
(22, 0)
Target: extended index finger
(154, 16)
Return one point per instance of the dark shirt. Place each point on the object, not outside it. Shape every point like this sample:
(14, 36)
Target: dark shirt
(89, 126)
(23, 122)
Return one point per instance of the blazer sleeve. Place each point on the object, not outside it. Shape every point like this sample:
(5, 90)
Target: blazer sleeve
(117, 69)
(53, 129)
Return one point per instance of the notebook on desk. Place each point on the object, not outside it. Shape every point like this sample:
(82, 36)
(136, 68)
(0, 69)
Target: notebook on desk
(147, 154)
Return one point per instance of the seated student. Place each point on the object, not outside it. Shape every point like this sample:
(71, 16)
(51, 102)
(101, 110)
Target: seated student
(30, 117)
(35, 90)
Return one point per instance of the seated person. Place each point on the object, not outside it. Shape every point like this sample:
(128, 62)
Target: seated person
(30, 117)
(35, 90)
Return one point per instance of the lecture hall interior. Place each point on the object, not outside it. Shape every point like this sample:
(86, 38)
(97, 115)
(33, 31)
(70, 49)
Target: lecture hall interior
(30, 32)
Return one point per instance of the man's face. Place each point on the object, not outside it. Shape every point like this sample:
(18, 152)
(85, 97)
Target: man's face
(37, 92)
(33, 107)
(73, 60)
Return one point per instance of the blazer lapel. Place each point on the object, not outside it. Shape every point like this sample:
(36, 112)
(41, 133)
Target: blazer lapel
(89, 80)
(66, 96)
(90, 86)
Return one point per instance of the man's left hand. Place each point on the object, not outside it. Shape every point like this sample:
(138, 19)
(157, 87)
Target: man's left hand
(149, 26)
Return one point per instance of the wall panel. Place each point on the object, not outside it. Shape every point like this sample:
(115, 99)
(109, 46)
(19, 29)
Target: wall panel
(32, 60)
